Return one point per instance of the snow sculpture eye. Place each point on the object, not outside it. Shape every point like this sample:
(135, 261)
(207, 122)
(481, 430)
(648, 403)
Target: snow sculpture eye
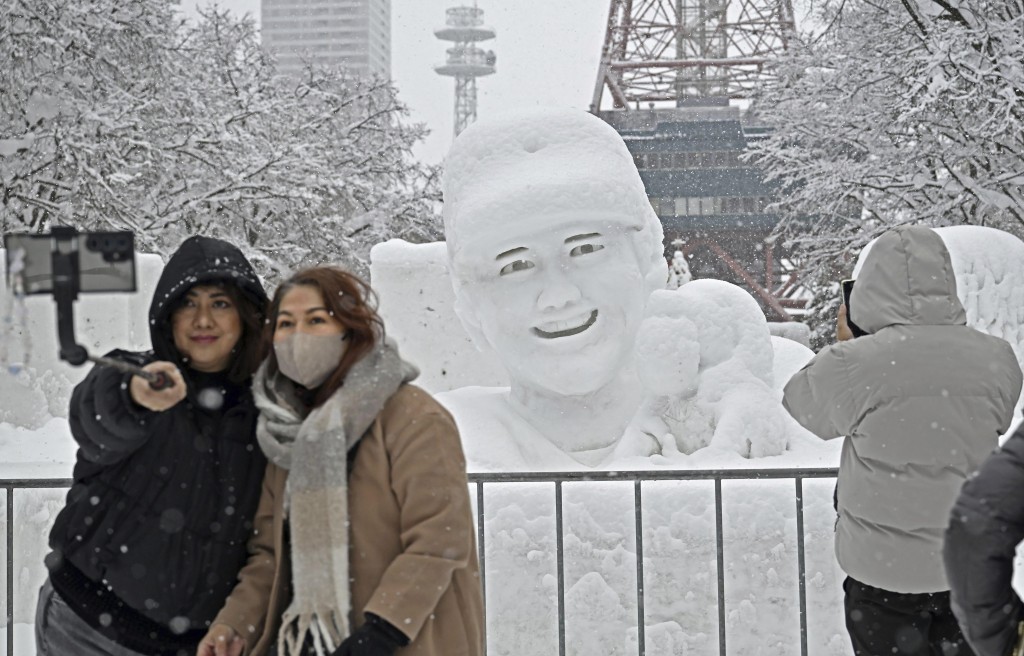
(517, 265)
(585, 249)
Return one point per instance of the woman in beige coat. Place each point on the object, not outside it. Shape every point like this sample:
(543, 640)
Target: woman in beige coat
(363, 541)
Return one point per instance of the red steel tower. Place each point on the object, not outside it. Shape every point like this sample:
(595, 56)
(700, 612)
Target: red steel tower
(677, 50)
(676, 72)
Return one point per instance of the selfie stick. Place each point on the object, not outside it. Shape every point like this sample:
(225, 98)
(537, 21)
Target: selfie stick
(65, 292)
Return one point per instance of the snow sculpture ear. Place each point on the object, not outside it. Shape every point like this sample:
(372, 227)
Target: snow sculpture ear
(647, 243)
(657, 275)
(464, 311)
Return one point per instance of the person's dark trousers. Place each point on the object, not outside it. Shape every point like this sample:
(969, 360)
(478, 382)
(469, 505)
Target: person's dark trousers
(884, 623)
(60, 632)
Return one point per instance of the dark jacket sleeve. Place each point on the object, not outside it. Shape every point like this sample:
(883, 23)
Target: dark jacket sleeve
(104, 420)
(986, 525)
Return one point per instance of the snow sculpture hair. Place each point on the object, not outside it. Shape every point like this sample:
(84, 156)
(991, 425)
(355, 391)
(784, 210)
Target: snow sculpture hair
(556, 163)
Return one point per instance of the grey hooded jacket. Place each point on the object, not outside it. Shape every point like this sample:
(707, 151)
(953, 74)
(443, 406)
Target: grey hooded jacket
(923, 400)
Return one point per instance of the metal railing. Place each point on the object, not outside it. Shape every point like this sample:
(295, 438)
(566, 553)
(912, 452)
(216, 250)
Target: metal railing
(9, 485)
(638, 478)
(479, 480)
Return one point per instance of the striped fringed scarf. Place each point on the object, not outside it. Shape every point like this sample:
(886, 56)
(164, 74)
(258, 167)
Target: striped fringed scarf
(314, 450)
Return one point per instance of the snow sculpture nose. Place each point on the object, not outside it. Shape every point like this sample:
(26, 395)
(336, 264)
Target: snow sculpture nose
(559, 290)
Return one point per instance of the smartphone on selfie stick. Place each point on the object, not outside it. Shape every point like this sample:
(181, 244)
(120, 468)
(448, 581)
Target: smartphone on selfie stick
(64, 263)
(847, 290)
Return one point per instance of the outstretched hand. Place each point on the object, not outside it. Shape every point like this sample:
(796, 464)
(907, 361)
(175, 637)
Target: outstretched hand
(221, 640)
(162, 399)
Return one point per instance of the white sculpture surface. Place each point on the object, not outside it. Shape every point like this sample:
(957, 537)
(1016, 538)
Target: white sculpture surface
(554, 251)
(706, 360)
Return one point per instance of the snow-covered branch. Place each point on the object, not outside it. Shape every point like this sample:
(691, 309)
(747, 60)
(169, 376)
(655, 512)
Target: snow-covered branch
(121, 115)
(903, 112)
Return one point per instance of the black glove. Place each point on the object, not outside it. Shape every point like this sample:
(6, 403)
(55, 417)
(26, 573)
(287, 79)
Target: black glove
(377, 637)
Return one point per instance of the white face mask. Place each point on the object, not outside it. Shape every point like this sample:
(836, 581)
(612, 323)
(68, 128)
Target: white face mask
(309, 359)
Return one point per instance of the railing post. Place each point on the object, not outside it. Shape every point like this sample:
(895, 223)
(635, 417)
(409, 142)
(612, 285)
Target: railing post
(801, 567)
(10, 570)
(9, 485)
(720, 547)
(641, 628)
(560, 559)
(482, 555)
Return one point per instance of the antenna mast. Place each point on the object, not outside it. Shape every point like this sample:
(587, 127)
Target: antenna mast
(465, 62)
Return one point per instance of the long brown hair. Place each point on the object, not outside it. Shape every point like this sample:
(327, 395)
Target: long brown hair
(348, 299)
(251, 347)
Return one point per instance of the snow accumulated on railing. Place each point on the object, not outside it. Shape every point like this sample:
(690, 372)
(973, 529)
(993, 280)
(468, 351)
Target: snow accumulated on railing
(558, 481)
(479, 480)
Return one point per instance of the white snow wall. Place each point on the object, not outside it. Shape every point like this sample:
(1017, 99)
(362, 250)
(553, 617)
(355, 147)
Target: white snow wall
(418, 307)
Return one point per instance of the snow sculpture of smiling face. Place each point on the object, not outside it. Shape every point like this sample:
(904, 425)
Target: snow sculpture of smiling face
(559, 304)
(553, 245)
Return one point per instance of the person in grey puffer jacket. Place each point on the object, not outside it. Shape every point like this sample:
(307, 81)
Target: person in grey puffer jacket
(922, 400)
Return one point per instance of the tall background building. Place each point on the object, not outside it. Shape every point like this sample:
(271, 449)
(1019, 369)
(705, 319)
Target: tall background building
(354, 33)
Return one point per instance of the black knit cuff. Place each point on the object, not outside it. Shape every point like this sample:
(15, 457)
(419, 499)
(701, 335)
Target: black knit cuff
(387, 631)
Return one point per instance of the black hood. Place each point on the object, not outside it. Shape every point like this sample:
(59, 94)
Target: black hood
(198, 260)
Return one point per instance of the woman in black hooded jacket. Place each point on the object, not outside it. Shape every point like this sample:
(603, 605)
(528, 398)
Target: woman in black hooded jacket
(985, 527)
(166, 481)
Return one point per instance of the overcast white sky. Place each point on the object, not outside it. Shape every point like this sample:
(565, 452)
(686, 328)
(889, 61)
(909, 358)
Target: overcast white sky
(548, 52)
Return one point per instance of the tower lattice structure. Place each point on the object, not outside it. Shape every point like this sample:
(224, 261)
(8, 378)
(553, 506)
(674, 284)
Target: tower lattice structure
(465, 61)
(658, 51)
(672, 70)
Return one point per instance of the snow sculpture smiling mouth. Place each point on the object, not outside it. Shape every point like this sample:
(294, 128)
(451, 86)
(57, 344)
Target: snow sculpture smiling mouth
(556, 329)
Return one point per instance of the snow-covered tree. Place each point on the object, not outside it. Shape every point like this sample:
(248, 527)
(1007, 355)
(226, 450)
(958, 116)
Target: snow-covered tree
(117, 114)
(896, 112)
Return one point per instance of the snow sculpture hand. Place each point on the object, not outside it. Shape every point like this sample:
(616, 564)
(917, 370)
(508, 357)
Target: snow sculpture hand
(668, 355)
(162, 399)
(704, 357)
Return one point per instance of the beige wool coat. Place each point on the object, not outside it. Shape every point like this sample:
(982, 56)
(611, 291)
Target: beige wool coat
(412, 547)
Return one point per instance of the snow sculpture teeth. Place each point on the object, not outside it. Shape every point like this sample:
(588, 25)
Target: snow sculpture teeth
(556, 329)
